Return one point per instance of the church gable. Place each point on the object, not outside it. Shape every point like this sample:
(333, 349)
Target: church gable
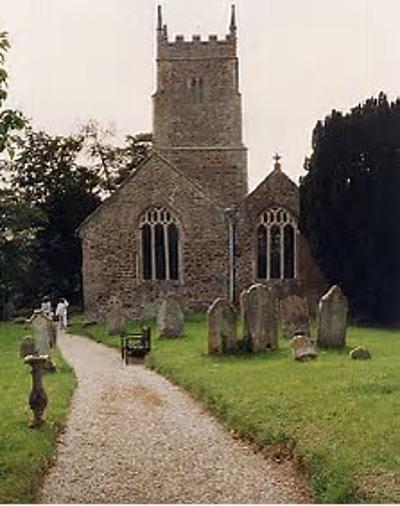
(159, 232)
(155, 182)
(277, 190)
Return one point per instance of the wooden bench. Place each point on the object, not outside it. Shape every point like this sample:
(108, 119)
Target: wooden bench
(135, 344)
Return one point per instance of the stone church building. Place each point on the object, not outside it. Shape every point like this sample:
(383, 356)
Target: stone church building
(183, 222)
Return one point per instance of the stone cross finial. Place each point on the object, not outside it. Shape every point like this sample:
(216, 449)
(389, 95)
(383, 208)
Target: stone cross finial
(277, 158)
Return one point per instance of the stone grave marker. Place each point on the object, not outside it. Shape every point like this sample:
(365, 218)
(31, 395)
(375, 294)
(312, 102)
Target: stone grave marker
(221, 322)
(294, 316)
(170, 318)
(360, 353)
(115, 319)
(332, 318)
(303, 348)
(42, 331)
(260, 322)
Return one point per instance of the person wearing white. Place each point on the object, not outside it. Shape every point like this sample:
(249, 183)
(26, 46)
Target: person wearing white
(61, 313)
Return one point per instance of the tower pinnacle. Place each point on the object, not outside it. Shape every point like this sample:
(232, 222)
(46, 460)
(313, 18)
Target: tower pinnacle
(159, 18)
(233, 27)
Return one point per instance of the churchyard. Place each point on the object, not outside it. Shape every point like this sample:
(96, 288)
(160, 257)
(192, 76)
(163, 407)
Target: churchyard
(25, 454)
(337, 417)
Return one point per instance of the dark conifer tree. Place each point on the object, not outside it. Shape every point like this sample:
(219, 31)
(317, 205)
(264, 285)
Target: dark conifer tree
(350, 205)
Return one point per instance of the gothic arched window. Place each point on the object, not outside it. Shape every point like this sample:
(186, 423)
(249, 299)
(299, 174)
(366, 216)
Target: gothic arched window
(276, 245)
(159, 245)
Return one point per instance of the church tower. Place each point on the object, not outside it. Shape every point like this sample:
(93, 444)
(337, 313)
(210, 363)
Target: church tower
(197, 111)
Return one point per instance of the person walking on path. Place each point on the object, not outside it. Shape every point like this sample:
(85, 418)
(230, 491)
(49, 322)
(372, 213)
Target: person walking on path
(61, 313)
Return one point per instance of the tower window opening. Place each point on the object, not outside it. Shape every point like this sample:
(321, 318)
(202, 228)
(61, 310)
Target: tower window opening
(196, 89)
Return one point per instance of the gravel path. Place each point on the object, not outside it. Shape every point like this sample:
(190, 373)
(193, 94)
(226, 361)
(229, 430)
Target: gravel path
(133, 437)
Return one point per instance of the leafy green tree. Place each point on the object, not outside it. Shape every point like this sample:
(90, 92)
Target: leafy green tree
(114, 162)
(17, 219)
(46, 172)
(10, 121)
(350, 205)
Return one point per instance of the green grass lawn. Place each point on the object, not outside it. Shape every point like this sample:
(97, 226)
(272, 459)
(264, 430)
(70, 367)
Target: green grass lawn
(339, 416)
(26, 453)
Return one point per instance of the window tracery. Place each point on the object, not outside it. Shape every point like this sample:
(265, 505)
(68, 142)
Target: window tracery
(276, 245)
(159, 245)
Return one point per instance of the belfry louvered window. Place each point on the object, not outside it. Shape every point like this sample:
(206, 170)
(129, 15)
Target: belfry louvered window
(159, 245)
(276, 245)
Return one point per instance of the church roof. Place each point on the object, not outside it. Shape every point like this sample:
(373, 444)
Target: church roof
(114, 197)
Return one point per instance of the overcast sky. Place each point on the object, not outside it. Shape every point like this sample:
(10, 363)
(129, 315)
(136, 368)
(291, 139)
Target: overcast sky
(77, 59)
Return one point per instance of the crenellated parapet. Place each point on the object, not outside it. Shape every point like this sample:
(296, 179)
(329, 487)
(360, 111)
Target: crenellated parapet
(181, 48)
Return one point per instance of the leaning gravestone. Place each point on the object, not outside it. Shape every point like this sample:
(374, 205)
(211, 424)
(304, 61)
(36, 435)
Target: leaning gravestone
(115, 319)
(294, 316)
(260, 323)
(303, 348)
(27, 347)
(332, 318)
(170, 318)
(221, 321)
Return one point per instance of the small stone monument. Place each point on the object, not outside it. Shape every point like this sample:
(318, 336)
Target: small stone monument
(360, 353)
(221, 321)
(303, 348)
(260, 323)
(332, 318)
(37, 397)
(27, 347)
(170, 318)
(294, 316)
(43, 331)
(115, 320)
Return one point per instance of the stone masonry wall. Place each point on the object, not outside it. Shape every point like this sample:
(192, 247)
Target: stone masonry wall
(222, 173)
(111, 242)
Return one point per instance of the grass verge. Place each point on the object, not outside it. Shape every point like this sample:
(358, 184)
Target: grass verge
(25, 453)
(338, 415)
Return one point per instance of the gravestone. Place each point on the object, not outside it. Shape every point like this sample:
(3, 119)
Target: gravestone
(221, 321)
(332, 318)
(360, 353)
(170, 318)
(303, 348)
(42, 331)
(115, 319)
(294, 316)
(27, 347)
(260, 323)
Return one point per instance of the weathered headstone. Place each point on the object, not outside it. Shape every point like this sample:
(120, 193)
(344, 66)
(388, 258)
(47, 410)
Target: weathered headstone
(260, 323)
(43, 332)
(294, 316)
(170, 318)
(332, 318)
(360, 353)
(303, 348)
(27, 347)
(221, 320)
(115, 319)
